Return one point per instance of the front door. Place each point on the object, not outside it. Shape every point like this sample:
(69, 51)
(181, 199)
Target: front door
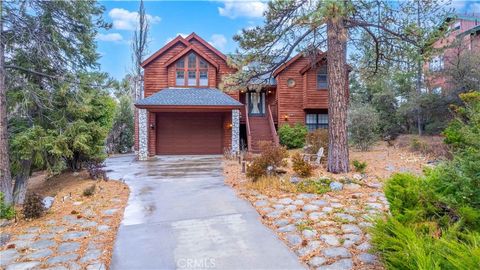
(256, 103)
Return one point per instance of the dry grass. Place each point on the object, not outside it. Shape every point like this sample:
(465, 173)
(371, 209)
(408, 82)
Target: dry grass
(271, 185)
(431, 146)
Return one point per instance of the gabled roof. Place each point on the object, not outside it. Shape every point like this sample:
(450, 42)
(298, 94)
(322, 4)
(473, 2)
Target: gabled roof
(188, 49)
(286, 64)
(164, 49)
(321, 56)
(209, 97)
(193, 35)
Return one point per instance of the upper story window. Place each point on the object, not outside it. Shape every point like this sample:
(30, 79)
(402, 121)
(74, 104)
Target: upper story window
(322, 80)
(191, 71)
(436, 63)
(456, 26)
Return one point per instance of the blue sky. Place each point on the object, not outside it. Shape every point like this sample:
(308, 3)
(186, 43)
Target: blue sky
(215, 21)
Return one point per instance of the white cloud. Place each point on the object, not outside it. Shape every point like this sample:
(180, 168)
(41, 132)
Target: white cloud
(178, 34)
(114, 37)
(218, 41)
(244, 8)
(128, 20)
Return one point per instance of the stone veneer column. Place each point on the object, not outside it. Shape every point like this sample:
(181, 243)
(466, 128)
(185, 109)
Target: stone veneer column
(142, 134)
(235, 131)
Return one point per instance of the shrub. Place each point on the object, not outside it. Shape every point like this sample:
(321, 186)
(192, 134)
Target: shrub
(317, 139)
(292, 137)
(33, 206)
(300, 166)
(96, 171)
(271, 155)
(89, 191)
(363, 126)
(6, 211)
(319, 186)
(359, 166)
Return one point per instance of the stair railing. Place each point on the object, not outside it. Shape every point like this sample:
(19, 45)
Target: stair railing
(276, 140)
(249, 133)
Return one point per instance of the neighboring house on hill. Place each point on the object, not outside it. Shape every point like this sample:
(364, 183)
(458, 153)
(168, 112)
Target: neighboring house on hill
(184, 112)
(463, 35)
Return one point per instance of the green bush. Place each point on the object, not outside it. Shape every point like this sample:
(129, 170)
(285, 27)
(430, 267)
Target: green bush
(292, 137)
(6, 211)
(363, 126)
(359, 166)
(33, 206)
(300, 166)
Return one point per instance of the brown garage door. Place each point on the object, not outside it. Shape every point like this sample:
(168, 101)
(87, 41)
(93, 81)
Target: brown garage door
(189, 133)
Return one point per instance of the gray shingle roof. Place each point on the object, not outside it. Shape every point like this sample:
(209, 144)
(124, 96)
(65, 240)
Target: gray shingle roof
(189, 97)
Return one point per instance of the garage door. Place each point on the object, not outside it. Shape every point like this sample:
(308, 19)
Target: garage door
(189, 133)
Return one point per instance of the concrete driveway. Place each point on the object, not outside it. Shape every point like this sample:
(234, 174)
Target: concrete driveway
(181, 215)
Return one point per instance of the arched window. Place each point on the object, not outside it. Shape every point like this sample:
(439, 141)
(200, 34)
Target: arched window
(191, 71)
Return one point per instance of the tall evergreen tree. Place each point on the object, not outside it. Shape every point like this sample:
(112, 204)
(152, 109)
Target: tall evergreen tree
(308, 26)
(43, 43)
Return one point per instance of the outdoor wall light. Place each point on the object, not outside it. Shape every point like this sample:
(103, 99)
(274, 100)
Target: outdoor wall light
(285, 117)
(152, 126)
(230, 126)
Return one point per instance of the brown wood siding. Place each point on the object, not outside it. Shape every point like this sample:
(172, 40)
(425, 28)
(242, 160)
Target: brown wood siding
(290, 99)
(227, 130)
(314, 98)
(152, 138)
(189, 133)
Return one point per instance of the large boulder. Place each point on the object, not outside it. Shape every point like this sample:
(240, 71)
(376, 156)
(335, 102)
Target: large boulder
(48, 202)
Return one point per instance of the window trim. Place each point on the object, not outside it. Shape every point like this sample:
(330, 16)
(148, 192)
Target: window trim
(317, 124)
(187, 69)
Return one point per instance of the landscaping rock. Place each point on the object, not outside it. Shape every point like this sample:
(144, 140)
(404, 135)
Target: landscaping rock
(267, 209)
(74, 235)
(327, 209)
(364, 246)
(390, 167)
(350, 228)
(20, 244)
(29, 236)
(288, 228)
(316, 261)
(62, 258)
(291, 208)
(298, 215)
(294, 239)
(39, 254)
(42, 244)
(344, 264)
(367, 258)
(311, 247)
(47, 236)
(110, 212)
(357, 176)
(316, 215)
(309, 234)
(285, 201)
(32, 230)
(88, 224)
(274, 214)
(68, 247)
(48, 202)
(336, 252)
(57, 229)
(330, 239)
(319, 202)
(103, 228)
(91, 255)
(4, 238)
(377, 206)
(310, 207)
(59, 267)
(96, 266)
(336, 186)
(352, 187)
(5, 222)
(346, 217)
(279, 206)
(336, 205)
(8, 256)
(298, 202)
(261, 203)
(281, 222)
(294, 179)
(23, 266)
(352, 237)
(74, 266)
(374, 185)
(348, 244)
(365, 224)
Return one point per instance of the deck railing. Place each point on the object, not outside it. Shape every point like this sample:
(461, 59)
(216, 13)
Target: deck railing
(272, 126)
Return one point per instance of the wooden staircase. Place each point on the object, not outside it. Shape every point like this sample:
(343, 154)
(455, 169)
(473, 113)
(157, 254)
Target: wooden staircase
(260, 128)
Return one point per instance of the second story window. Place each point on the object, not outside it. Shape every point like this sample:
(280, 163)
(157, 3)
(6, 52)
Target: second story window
(191, 71)
(436, 64)
(322, 80)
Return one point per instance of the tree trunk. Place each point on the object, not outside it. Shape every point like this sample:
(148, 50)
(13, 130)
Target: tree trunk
(418, 90)
(21, 181)
(5, 176)
(338, 160)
